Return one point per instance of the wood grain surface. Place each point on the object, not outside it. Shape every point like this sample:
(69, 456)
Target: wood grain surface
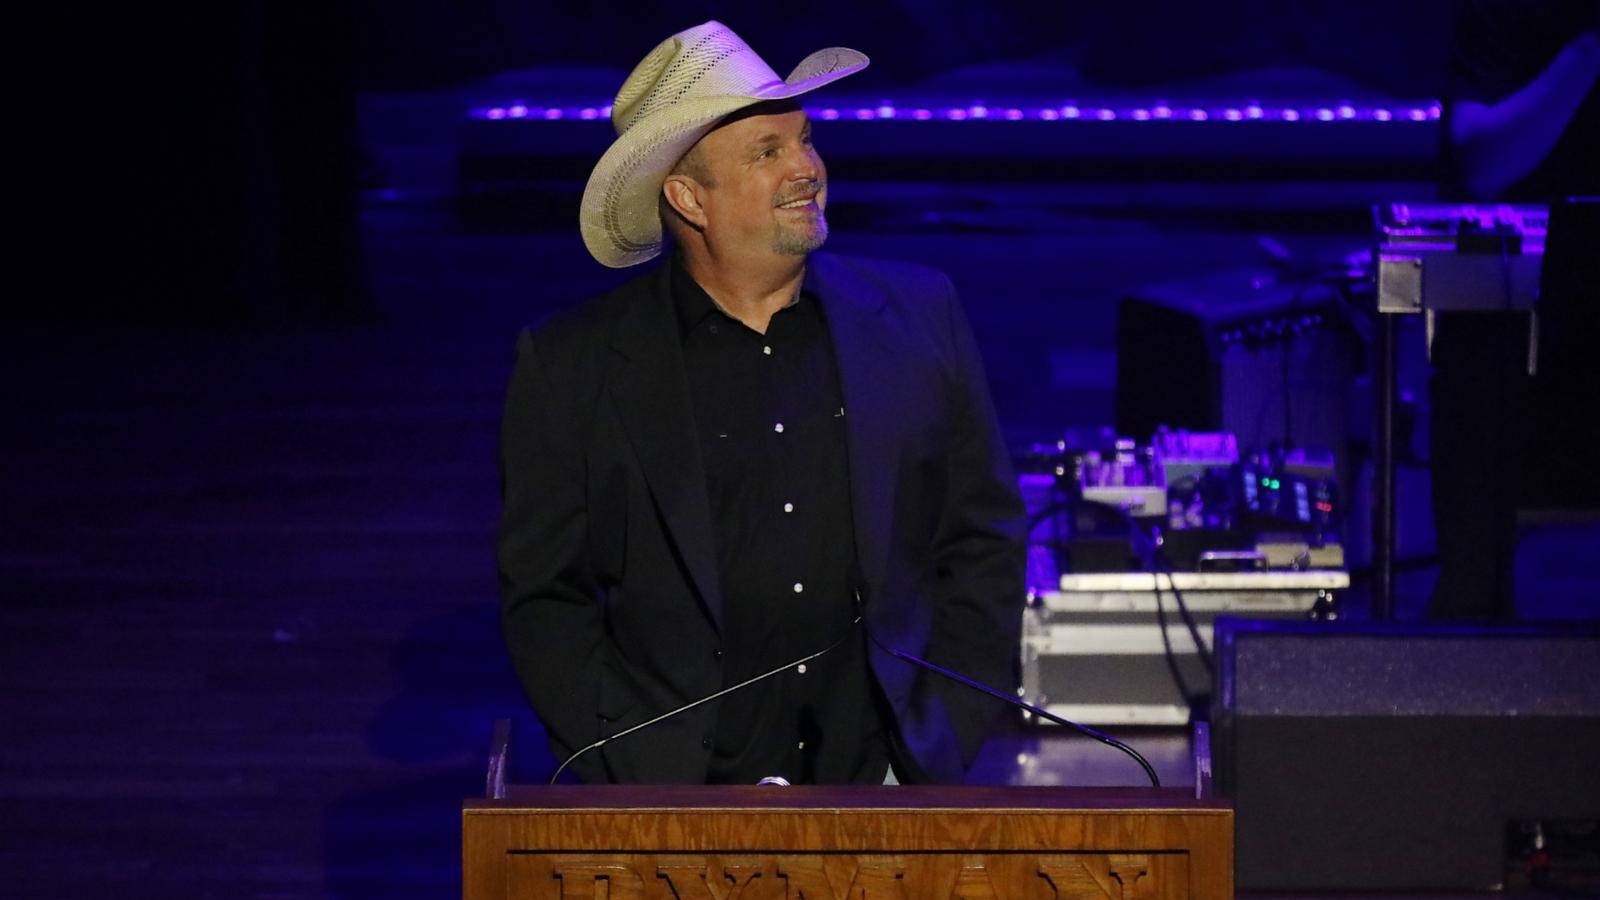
(846, 842)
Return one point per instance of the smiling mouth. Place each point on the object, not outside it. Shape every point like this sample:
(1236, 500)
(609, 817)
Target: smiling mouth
(799, 202)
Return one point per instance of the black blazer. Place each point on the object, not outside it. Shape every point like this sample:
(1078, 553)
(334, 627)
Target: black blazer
(607, 564)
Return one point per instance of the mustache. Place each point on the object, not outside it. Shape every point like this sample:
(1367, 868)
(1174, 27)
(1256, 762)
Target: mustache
(810, 189)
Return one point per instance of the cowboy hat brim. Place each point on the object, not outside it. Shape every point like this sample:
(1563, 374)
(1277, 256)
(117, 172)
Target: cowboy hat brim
(618, 217)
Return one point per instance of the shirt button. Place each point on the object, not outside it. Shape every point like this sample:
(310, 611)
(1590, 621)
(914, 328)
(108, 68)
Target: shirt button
(801, 668)
(767, 350)
(778, 428)
(716, 654)
(788, 507)
(798, 587)
(800, 746)
(705, 742)
(713, 329)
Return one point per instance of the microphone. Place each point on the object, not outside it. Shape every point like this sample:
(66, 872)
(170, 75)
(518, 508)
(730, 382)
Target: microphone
(706, 699)
(1014, 701)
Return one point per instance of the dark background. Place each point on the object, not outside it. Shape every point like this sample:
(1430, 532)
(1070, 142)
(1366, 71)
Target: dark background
(254, 359)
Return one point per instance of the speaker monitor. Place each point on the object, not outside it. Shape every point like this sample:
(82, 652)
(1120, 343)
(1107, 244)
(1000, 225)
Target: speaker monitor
(1396, 758)
(1241, 353)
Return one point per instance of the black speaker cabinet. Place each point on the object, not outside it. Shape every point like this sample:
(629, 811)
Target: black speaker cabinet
(1396, 758)
(1237, 352)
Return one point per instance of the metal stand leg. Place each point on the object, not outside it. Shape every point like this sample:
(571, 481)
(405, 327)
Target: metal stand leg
(1383, 474)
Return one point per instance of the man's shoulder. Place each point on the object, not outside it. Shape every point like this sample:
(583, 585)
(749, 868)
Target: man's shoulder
(912, 298)
(592, 323)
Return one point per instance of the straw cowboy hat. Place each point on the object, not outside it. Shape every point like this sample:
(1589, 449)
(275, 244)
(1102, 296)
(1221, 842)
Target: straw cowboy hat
(674, 97)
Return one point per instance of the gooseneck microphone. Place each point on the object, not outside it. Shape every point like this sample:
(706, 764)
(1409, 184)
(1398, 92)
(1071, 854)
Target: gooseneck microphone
(706, 699)
(1014, 701)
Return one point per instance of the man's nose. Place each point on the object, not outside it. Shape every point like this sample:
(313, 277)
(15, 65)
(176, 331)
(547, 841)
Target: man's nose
(808, 165)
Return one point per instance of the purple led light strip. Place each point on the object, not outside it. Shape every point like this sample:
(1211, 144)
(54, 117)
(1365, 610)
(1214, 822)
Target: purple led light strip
(1157, 112)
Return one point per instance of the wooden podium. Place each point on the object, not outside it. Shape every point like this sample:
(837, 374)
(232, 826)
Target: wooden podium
(845, 843)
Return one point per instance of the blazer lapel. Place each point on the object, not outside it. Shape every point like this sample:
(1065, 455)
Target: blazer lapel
(651, 391)
(862, 346)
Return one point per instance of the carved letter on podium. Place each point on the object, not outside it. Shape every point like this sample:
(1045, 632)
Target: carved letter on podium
(599, 880)
(696, 878)
(973, 883)
(1096, 877)
(834, 877)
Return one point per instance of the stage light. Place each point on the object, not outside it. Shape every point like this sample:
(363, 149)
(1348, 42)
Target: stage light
(1160, 111)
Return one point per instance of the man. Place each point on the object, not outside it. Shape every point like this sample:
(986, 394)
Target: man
(720, 466)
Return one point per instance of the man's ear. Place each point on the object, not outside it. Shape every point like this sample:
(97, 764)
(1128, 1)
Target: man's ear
(683, 195)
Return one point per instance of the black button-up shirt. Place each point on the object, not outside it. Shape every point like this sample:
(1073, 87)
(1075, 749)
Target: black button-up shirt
(769, 414)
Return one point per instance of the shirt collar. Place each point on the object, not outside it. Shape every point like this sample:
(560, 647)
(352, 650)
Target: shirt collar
(692, 304)
(690, 301)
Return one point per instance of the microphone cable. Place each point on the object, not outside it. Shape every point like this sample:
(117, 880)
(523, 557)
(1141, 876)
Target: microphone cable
(958, 678)
(703, 700)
